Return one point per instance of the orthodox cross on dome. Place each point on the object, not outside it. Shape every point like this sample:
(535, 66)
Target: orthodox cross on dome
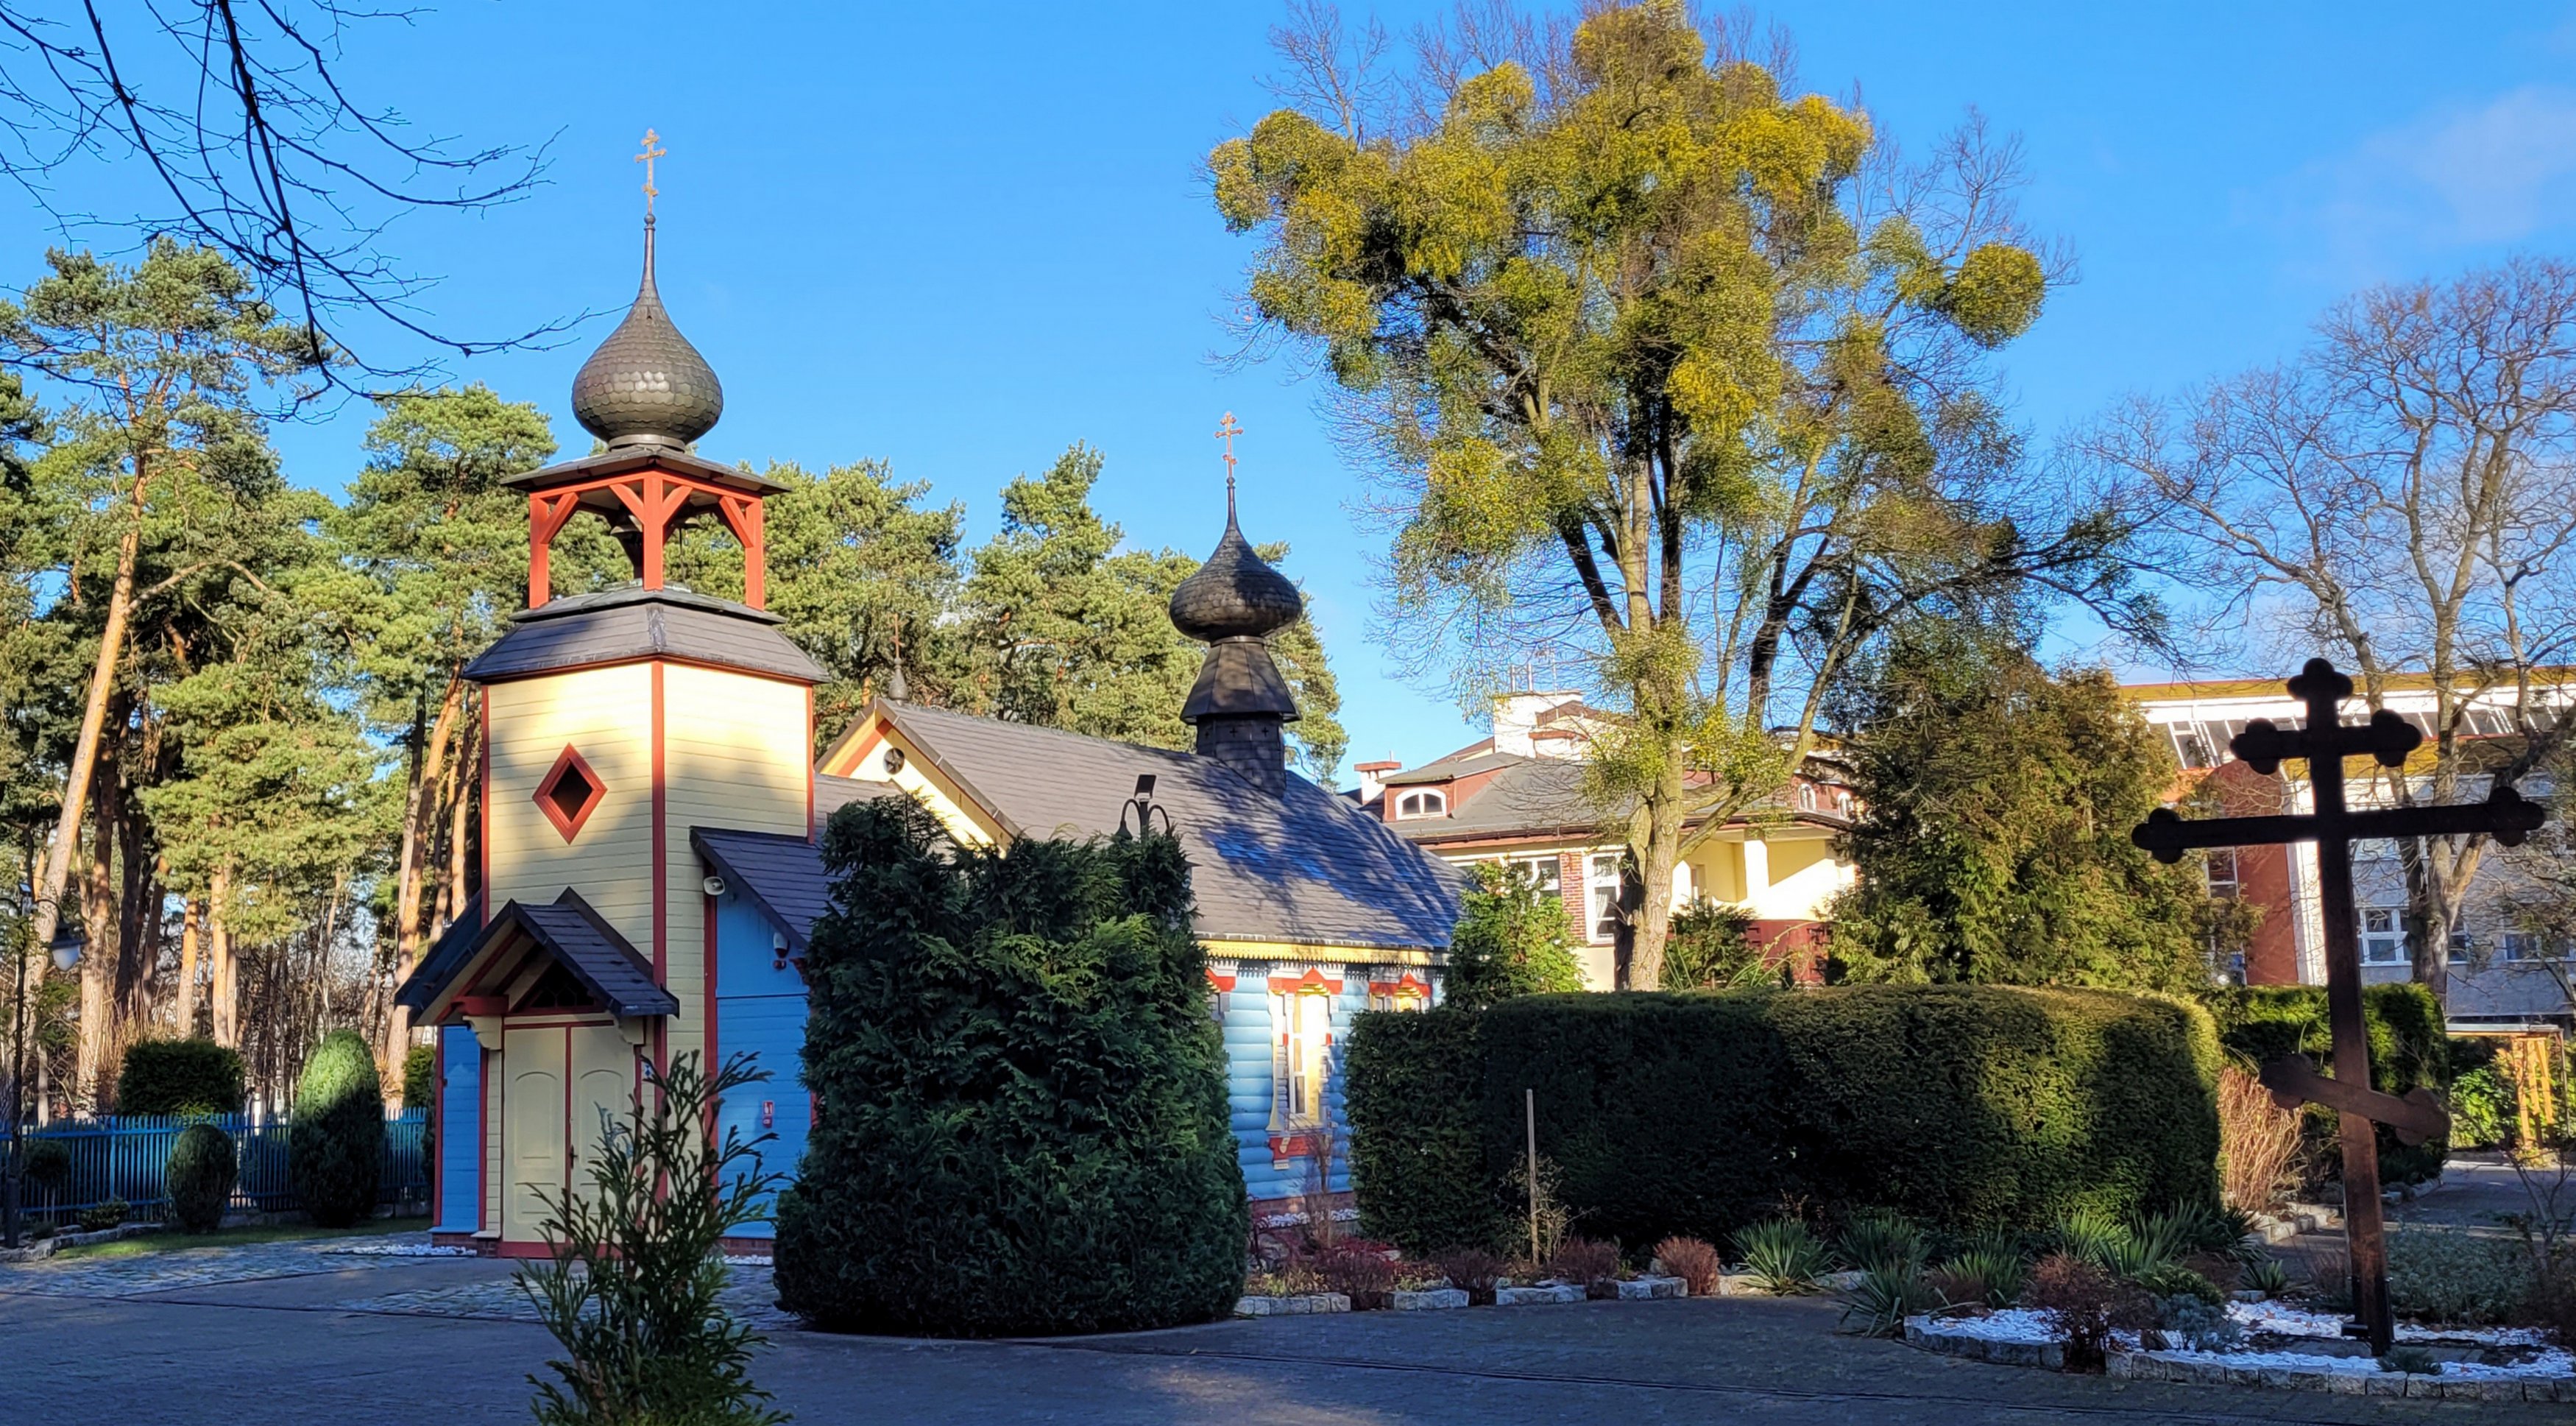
(2323, 742)
(1226, 431)
(651, 152)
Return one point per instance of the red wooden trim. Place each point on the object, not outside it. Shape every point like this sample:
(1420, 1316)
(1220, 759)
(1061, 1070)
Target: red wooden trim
(437, 1119)
(483, 1004)
(570, 825)
(1292, 1146)
(1221, 982)
(711, 979)
(859, 754)
(569, 1067)
(483, 775)
(755, 560)
(809, 761)
(1400, 984)
(524, 1250)
(1313, 979)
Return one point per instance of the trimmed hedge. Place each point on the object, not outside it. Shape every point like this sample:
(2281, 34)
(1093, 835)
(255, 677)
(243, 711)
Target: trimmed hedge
(1022, 1121)
(200, 1176)
(2408, 1049)
(180, 1077)
(335, 1145)
(1697, 1114)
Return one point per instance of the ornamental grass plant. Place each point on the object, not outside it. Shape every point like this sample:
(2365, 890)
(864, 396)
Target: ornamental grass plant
(1694, 1261)
(1783, 1257)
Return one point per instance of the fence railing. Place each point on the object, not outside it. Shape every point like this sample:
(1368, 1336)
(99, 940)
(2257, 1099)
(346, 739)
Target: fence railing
(124, 1156)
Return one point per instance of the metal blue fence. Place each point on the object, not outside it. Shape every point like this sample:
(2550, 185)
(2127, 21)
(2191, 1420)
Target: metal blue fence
(124, 1155)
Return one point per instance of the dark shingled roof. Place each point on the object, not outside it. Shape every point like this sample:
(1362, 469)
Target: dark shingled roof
(454, 948)
(781, 875)
(1303, 867)
(831, 794)
(623, 625)
(575, 936)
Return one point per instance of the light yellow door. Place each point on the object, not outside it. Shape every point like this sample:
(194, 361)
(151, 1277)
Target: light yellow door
(532, 1133)
(603, 1090)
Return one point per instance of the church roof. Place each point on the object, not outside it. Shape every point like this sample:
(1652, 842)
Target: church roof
(566, 929)
(781, 875)
(646, 385)
(630, 623)
(1304, 867)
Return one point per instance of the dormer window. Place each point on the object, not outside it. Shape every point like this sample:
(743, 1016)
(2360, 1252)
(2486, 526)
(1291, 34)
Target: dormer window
(1422, 804)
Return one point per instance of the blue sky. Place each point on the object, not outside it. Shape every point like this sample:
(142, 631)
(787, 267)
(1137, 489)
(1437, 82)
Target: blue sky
(960, 238)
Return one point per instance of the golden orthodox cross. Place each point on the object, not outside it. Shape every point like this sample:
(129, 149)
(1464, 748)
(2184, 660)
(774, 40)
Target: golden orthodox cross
(2323, 742)
(1226, 431)
(651, 152)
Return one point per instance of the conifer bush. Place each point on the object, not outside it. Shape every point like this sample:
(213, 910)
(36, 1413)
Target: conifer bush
(335, 1144)
(1022, 1121)
(200, 1176)
(180, 1077)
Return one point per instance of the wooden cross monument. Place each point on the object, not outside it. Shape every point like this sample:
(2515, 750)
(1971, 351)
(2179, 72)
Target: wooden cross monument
(2324, 742)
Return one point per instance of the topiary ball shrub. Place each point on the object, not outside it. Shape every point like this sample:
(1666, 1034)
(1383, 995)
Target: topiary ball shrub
(48, 1163)
(180, 1077)
(1022, 1121)
(335, 1143)
(202, 1171)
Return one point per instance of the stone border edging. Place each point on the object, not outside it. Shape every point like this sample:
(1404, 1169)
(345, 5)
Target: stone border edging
(2151, 1366)
(1637, 1289)
(46, 1248)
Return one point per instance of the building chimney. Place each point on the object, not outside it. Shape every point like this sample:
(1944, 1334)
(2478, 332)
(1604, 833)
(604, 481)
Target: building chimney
(1372, 777)
(1516, 716)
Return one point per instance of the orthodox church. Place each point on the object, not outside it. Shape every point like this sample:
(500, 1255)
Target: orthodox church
(651, 810)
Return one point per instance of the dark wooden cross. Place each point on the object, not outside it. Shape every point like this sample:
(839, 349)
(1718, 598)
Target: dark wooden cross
(2324, 743)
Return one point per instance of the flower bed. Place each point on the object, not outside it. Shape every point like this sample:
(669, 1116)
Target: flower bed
(2285, 1347)
(1646, 1288)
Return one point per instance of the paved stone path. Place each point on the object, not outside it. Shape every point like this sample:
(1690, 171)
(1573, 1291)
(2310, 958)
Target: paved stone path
(317, 1337)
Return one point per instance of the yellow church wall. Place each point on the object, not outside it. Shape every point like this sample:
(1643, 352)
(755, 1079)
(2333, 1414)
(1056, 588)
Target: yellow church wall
(604, 713)
(734, 755)
(958, 814)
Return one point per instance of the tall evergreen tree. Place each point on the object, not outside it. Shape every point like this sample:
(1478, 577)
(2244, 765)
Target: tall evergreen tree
(1993, 839)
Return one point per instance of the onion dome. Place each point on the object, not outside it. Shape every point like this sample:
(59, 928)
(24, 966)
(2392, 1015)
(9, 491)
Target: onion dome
(646, 386)
(1236, 594)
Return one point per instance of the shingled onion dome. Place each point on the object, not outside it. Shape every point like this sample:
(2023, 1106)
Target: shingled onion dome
(646, 386)
(1241, 701)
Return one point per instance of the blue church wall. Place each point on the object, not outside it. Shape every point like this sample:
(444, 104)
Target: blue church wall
(1251, 1037)
(760, 1011)
(460, 1138)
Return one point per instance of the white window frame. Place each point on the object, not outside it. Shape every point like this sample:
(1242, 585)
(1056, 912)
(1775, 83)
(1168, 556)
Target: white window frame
(1422, 802)
(2383, 936)
(1306, 1027)
(1601, 897)
(1547, 873)
(2230, 886)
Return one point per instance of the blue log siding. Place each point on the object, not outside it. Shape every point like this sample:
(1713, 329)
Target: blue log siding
(1251, 1036)
(460, 1141)
(760, 1011)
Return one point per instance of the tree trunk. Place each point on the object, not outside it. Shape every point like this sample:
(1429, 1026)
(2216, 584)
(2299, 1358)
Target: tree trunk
(85, 746)
(430, 780)
(138, 928)
(224, 991)
(95, 1036)
(189, 910)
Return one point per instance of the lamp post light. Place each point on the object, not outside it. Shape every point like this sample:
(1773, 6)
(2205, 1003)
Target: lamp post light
(65, 949)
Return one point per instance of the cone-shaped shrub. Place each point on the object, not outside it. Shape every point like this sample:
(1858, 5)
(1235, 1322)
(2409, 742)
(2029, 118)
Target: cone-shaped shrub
(1022, 1119)
(199, 1179)
(335, 1145)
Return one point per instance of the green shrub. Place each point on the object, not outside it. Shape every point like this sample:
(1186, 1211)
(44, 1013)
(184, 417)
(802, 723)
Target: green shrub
(335, 1143)
(1509, 941)
(1782, 1257)
(200, 1176)
(1695, 1113)
(1710, 946)
(1023, 1121)
(2408, 1050)
(106, 1214)
(2445, 1275)
(48, 1162)
(420, 1075)
(1879, 1240)
(1884, 1297)
(2481, 1109)
(180, 1077)
(1417, 1153)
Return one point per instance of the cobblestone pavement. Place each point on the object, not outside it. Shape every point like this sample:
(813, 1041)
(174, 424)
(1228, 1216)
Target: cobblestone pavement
(750, 1297)
(170, 1268)
(315, 1337)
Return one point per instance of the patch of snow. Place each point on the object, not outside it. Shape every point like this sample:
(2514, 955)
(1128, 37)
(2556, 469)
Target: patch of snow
(2010, 1324)
(2299, 1322)
(401, 1250)
(746, 1260)
(1292, 1220)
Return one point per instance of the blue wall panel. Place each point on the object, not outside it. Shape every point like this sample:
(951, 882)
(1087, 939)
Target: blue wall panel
(760, 1011)
(460, 1139)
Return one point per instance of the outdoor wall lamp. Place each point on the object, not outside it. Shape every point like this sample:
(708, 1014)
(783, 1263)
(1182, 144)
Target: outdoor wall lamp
(66, 946)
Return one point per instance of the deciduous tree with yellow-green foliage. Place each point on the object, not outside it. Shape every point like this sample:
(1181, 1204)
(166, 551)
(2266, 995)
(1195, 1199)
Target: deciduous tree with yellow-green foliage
(1663, 363)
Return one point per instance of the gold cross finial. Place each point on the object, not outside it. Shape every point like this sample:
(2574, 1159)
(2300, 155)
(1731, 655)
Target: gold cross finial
(651, 152)
(1226, 431)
